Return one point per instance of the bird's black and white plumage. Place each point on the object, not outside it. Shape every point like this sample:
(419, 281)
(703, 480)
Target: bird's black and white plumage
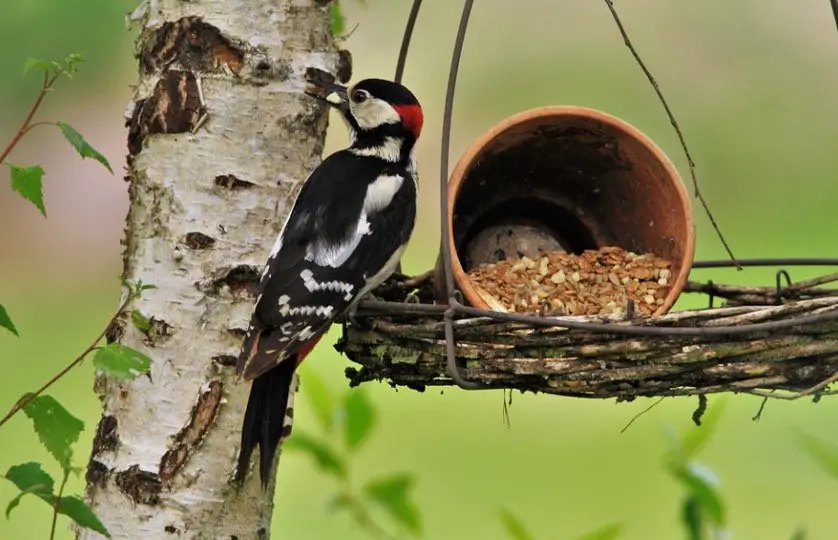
(344, 236)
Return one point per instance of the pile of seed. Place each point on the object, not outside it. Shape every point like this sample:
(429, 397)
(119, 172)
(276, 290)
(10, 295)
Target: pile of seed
(597, 282)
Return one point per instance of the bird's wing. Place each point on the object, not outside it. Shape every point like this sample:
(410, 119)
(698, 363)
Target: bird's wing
(334, 240)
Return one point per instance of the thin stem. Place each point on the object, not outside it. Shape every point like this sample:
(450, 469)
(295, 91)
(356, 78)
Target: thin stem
(48, 82)
(675, 125)
(36, 124)
(23, 401)
(57, 502)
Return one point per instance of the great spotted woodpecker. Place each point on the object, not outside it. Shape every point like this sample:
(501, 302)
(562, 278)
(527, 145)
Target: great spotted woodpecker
(344, 236)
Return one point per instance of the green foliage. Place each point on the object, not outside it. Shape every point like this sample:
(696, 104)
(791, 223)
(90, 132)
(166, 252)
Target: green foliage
(359, 420)
(338, 20)
(81, 145)
(702, 508)
(824, 453)
(6, 321)
(320, 399)
(513, 525)
(392, 493)
(121, 362)
(30, 479)
(28, 181)
(53, 69)
(327, 459)
(140, 321)
(516, 530)
(57, 429)
(76, 509)
(608, 532)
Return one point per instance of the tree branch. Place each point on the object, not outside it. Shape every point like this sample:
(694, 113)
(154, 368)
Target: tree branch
(408, 349)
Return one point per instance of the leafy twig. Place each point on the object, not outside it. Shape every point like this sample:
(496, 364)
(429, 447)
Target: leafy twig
(654, 83)
(24, 127)
(21, 403)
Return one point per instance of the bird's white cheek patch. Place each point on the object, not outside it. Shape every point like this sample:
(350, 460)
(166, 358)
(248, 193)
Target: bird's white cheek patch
(375, 112)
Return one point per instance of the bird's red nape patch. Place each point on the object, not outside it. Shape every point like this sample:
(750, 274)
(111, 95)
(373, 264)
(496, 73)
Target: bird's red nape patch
(412, 117)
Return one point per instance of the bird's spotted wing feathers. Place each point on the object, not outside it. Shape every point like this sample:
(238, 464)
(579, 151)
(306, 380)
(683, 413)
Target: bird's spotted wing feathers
(336, 238)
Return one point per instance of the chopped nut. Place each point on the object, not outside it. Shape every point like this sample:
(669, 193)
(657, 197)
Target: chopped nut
(558, 277)
(592, 283)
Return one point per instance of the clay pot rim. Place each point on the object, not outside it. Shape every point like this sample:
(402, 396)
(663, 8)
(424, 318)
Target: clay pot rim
(467, 160)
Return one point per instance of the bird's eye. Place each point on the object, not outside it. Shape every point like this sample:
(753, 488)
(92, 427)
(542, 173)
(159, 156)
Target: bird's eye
(360, 96)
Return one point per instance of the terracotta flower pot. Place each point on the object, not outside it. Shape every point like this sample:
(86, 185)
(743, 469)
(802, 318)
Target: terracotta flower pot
(568, 178)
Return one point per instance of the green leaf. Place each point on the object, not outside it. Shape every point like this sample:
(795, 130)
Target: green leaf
(57, 429)
(824, 453)
(609, 532)
(76, 509)
(325, 457)
(513, 525)
(695, 478)
(29, 182)
(29, 478)
(391, 493)
(321, 399)
(82, 146)
(338, 20)
(6, 321)
(49, 66)
(799, 534)
(72, 62)
(691, 516)
(360, 418)
(121, 362)
(140, 321)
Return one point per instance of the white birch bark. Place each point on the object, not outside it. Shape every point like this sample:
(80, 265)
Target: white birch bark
(221, 137)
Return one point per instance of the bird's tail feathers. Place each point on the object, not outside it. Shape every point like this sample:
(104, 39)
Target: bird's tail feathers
(267, 419)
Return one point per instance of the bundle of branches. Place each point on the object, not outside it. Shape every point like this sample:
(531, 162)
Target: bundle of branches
(779, 341)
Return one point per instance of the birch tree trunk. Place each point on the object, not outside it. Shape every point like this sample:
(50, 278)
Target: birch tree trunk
(220, 138)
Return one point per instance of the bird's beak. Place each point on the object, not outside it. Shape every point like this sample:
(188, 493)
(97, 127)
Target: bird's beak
(333, 94)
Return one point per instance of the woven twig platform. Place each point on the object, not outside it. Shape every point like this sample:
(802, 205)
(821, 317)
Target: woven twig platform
(791, 348)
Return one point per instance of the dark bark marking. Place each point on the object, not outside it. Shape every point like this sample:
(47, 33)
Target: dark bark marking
(193, 44)
(240, 280)
(176, 105)
(171, 529)
(97, 473)
(198, 240)
(142, 487)
(224, 360)
(115, 330)
(106, 438)
(231, 182)
(344, 69)
(191, 436)
(317, 76)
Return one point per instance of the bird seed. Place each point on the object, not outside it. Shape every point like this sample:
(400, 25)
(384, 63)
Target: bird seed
(596, 282)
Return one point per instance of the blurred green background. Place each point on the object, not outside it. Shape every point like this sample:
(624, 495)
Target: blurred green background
(754, 85)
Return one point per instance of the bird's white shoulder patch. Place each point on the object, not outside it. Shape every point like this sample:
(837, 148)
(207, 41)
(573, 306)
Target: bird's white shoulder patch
(381, 191)
(335, 255)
